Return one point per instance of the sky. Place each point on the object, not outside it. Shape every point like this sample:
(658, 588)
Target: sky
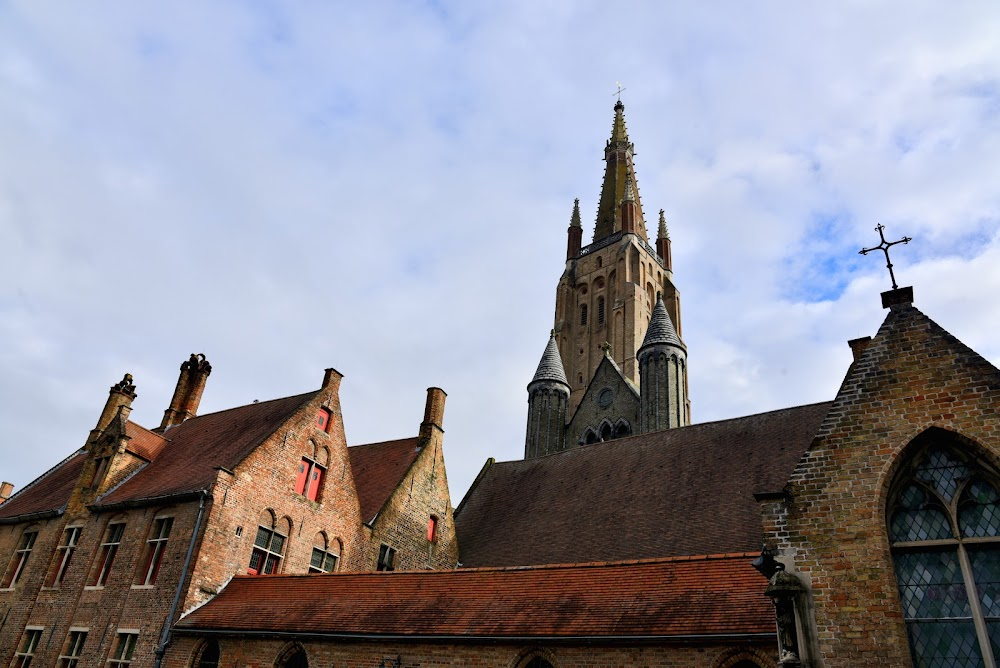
(384, 188)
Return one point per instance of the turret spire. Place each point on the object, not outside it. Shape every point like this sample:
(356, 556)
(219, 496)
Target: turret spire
(663, 244)
(574, 235)
(618, 171)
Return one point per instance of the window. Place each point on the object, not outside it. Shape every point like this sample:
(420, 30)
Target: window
(64, 554)
(538, 662)
(600, 310)
(155, 545)
(208, 657)
(109, 549)
(74, 648)
(20, 559)
(269, 545)
(24, 654)
(323, 419)
(312, 468)
(432, 525)
(944, 526)
(324, 559)
(386, 559)
(99, 469)
(583, 314)
(121, 657)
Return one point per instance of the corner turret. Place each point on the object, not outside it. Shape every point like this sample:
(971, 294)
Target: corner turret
(663, 387)
(548, 399)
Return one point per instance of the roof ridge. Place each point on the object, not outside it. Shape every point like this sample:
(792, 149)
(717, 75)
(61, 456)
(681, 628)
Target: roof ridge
(310, 394)
(44, 475)
(392, 440)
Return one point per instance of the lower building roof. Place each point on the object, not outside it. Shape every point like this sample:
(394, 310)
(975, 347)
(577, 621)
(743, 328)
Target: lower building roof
(679, 598)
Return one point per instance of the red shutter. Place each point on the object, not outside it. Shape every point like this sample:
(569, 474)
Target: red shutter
(315, 480)
(432, 529)
(300, 481)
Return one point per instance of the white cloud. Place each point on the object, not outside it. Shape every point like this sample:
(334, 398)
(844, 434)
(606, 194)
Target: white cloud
(384, 188)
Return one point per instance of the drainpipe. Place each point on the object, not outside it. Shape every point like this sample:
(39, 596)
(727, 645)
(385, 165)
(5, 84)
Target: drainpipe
(161, 649)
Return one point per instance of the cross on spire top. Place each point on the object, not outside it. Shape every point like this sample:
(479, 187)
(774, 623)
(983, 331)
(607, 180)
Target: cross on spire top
(884, 247)
(619, 91)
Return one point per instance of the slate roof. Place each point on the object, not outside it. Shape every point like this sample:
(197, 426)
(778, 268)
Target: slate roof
(684, 491)
(377, 469)
(661, 329)
(716, 595)
(182, 460)
(550, 367)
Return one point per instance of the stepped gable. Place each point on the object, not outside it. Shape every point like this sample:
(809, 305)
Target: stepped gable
(48, 493)
(682, 491)
(198, 446)
(719, 595)
(377, 469)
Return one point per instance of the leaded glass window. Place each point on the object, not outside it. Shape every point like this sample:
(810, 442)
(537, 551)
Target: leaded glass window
(944, 524)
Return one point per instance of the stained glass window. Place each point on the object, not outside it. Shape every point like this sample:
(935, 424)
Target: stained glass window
(944, 524)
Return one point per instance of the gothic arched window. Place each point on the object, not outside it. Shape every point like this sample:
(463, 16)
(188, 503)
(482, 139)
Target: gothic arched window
(944, 525)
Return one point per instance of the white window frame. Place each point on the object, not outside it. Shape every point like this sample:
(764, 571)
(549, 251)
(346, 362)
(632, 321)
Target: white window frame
(123, 653)
(156, 544)
(65, 551)
(29, 643)
(71, 656)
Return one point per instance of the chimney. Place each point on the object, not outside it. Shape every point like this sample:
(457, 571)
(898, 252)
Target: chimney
(121, 394)
(858, 346)
(331, 379)
(187, 394)
(433, 413)
(6, 489)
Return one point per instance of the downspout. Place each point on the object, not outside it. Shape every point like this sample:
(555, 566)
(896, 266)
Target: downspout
(161, 649)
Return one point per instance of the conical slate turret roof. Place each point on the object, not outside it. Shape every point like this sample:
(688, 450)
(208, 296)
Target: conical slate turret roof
(661, 329)
(551, 366)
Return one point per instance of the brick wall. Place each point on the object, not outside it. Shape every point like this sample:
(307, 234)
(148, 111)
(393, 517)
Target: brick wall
(262, 653)
(832, 528)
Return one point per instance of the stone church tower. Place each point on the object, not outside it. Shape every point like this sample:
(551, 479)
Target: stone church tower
(606, 298)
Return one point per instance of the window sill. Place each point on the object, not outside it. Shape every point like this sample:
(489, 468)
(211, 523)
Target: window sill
(7, 588)
(93, 588)
(152, 586)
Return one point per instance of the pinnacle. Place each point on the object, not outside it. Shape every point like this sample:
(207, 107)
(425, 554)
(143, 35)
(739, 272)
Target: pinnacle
(662, 232)
(574, 220)
(661, 329)
(551, 367)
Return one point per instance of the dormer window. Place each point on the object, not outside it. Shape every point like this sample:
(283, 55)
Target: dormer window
(323, 419)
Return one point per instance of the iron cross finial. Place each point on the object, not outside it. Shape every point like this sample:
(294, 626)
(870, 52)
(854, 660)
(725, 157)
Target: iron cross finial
(884, 247)
(619, 91)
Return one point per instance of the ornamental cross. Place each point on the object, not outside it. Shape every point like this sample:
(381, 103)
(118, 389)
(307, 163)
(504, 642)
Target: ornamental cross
(619, 91)
(884, 247)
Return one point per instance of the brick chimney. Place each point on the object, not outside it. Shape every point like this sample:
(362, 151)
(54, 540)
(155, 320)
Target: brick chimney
(6, 489)
(858, 346)
(187, 394)
(121, 394)
(433, 413)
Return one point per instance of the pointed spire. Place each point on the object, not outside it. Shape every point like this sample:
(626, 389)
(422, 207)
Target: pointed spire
(574, 220)
(661, 329)
(551, 367)
(661, 232)
(663, 244)
(618, 171)
(574, 235)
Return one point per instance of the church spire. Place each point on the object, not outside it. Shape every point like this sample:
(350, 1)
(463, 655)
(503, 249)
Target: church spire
(618, 171)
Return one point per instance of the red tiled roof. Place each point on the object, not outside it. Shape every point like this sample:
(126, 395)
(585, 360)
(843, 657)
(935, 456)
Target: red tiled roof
(143, 442)
(675, 492)
(702, 596)
(196, 447)
(378, 469)
(47, 493)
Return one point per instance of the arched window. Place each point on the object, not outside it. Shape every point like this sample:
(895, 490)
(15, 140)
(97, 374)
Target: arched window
(606, 432)
(292, 657)
(538, 662)
(944, 526)
(269, 545)
(590, 437)
(623, 428)
(207, 655)
(583, 314)
(324, 555)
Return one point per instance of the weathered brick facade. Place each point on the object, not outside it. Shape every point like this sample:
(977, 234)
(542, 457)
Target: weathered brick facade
(212, 499)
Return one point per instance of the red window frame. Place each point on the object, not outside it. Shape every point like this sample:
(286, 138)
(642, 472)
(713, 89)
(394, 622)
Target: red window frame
(432, 529)
(309, 479)
(323, 419)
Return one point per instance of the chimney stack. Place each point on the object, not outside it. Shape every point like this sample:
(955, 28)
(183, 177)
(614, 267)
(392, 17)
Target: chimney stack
(858, 346)
(6, 489)
(187, 394)
(121, 394)
(433, 413)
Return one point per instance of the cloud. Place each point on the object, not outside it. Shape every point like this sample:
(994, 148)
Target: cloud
(385, 188)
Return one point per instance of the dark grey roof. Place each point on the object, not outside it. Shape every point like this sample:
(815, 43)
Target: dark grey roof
(683, 491)
(551, 366)
(661, 330)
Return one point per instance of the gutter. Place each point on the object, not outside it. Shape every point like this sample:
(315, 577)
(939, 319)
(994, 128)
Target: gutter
(31, 517)
(161, 649)
(146, 501)
(768, 636)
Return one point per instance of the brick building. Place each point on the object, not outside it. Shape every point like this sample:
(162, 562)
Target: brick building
(626, 536)
(106, 549)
